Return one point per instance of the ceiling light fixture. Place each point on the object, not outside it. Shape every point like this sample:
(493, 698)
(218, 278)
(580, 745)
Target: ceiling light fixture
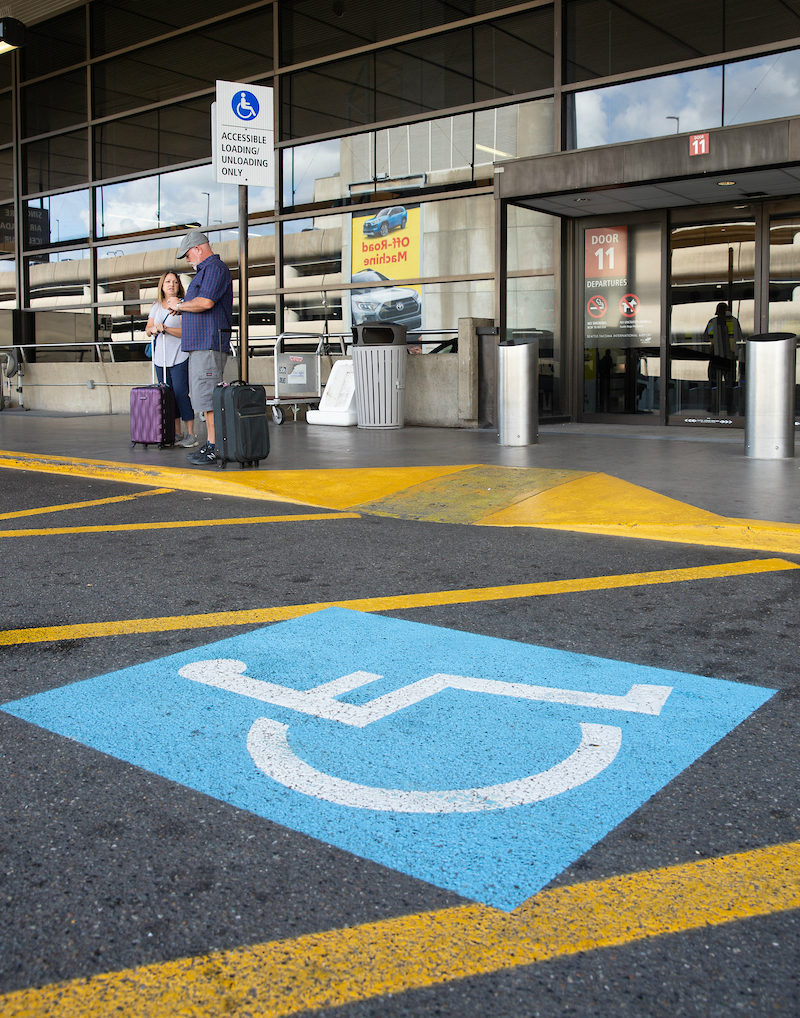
(582, 199)
(12, 34)
(725, 183)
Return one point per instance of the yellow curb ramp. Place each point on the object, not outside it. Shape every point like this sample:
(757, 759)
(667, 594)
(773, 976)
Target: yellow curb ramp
(600, 504)
(323, 489)
(488, 496)
(396, 955)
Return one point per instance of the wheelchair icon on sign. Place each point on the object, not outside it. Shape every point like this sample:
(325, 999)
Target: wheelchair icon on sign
(269, 747)
(245, 105)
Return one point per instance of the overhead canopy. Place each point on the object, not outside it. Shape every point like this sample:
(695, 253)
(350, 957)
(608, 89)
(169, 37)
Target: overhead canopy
(753, 161)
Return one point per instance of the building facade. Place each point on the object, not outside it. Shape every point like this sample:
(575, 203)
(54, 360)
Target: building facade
(413, 143)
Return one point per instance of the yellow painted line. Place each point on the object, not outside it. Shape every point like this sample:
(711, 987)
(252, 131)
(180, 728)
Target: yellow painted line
(359, 963)
(180, 524)
(83, 505)
(772, 537)
(398, 602)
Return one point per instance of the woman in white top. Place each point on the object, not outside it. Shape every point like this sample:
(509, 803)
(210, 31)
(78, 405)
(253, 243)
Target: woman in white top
(171, 363)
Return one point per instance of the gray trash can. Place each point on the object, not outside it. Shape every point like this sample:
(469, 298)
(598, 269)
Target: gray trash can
(518, 391)
(769, 396)
(379, 372)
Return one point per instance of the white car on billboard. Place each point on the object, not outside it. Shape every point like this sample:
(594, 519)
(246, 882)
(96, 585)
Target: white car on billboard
(379, 300)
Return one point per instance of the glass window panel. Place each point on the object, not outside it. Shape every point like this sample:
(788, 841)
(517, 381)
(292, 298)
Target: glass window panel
(61, 161)
(123, 23)
(127, 279)
(172, 134)
(705, 273)
(315, 28)
(444, 303)
(337, 96)
(644, 109)
(531, 242)
(452, 69)
(312, 173)
(6, 107)
(428, 74)
(514, 55)
(54, 103)
(312, 248)
(8, 285)
(458, 236)
(747, 24)
(428, 154)
(308, 311)
(6, 69)
(511, 131)
(763, 88)
(7, 237)
(60, 279)
(51, 45)
(169, 200)
(57, 218)
(6, 173)
(232, 50)
(784, 284)
(531, 312)
(604, 37)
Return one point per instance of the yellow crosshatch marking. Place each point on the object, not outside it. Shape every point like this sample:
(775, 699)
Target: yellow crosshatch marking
(180, 524)
(398, 602)
(344, 966)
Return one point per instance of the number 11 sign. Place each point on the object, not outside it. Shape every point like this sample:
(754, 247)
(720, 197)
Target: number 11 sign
(606, 253)
(698, 144)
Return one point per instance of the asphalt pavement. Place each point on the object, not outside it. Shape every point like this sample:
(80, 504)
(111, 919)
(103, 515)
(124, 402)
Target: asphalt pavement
(118, 854)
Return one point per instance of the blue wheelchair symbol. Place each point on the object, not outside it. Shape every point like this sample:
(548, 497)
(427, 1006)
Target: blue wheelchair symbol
(245, 105)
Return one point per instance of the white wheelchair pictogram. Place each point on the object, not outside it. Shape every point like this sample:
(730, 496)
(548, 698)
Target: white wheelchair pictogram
(245, 106)
(269, 747)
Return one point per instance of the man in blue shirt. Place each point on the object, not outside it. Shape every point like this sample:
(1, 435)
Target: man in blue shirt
(205, 331)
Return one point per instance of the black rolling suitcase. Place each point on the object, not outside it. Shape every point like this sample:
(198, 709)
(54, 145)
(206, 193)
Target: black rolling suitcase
(240, 424)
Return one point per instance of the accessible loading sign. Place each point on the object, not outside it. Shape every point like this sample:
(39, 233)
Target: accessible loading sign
(243, 138)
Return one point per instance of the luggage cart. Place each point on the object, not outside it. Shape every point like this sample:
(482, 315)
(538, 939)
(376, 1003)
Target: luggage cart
(298, 374)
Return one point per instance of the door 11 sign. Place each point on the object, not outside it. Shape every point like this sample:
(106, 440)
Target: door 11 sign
(606, 253)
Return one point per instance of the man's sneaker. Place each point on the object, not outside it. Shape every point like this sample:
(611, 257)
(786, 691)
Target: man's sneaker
(204, 456)
(187, 441)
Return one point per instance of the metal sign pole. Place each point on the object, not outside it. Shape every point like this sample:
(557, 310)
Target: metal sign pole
(243, 285)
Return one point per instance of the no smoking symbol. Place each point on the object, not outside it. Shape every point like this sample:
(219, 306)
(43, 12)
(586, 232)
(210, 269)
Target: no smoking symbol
(597, 306)
(629, 305)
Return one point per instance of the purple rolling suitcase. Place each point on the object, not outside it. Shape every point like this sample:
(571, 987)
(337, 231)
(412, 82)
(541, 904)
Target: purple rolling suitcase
(152, 416)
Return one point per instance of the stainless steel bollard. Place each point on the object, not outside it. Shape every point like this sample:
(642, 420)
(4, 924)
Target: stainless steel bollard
(769, 400)
(518, 394)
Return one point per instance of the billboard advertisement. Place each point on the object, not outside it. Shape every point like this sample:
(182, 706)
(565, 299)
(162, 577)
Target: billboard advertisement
(386, 245)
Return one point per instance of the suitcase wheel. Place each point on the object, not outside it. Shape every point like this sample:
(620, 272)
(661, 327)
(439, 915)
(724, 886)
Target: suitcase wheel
(222, 464)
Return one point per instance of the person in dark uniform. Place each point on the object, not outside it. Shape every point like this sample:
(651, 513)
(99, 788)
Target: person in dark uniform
(724, 336)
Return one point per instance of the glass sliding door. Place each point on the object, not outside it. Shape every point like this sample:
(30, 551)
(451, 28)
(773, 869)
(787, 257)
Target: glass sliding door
(622, 321)
(784, 284)
(712, 290)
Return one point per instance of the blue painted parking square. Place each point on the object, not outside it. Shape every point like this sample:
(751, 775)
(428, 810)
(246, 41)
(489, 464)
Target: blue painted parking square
(480, 765)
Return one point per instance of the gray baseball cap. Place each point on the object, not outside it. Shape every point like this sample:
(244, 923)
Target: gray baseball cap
(192, 239)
